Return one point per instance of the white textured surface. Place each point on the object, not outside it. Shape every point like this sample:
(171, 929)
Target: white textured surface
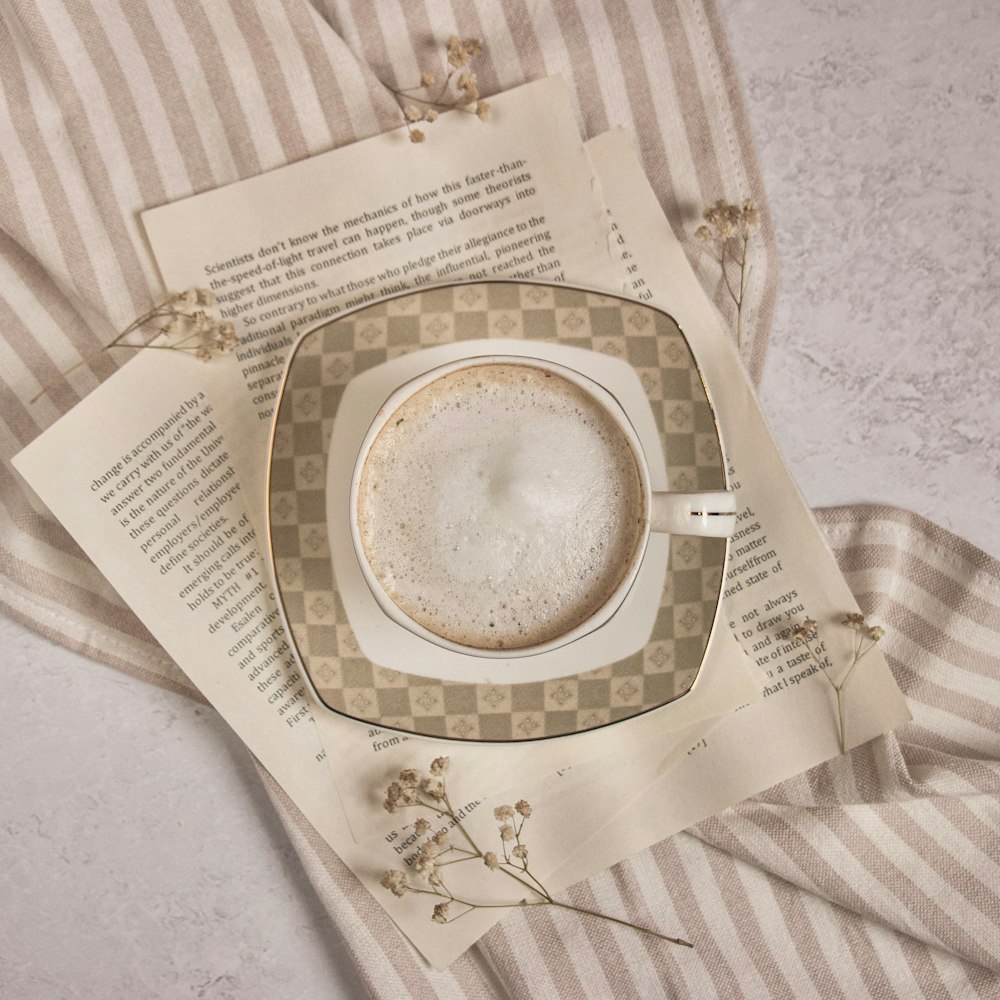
(878, 128)
(138, 855)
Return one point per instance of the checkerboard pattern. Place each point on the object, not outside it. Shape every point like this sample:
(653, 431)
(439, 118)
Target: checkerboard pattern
(349, 683)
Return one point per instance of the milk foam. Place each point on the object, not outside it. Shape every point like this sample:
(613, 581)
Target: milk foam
(500, 506)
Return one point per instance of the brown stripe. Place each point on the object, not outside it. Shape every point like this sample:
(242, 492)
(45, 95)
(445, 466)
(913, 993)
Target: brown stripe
(499, 949)
(918, 571)
(799, 930)
(540, 924)
(208, 48)
(310, 30)
(582, 73)
(35, 525)
(376, 68)
(167, 676)
(984, 715)
(104, 209)
(43, 583)
(684, 896)
(866, 959)
(27, 341)
(79, 270)
(273, 85)
(901, 884)
(606, 950)
(682, 69)
(921, 965)
(529, 53)
(866, 517)
(103, 58)
(179, 115)
(969, 885)
(755, 350)
(748, 925)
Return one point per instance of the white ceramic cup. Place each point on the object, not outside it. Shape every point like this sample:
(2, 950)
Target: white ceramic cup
(711, 514)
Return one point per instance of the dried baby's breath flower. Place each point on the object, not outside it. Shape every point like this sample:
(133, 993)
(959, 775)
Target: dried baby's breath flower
(421, 826)
(726, 235)
(181, 322)
(458, 91)
(807, 634)
(437, 852)
(396, 882)
(432, 788)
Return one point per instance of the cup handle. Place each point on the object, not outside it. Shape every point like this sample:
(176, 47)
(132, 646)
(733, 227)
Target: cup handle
(712, 515)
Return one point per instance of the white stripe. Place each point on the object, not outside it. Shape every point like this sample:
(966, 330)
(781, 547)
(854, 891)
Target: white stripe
(247, 86)
(205, 118)
(830, 938)
(653, 50)
(771, 927)
(298, 80)
(109, 146)
(146, 98)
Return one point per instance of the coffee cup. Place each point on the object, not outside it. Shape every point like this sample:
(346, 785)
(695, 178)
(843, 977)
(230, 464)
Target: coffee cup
(501, 506)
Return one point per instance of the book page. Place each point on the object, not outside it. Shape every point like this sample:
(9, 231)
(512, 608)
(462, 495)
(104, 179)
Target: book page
(508, 197)
(780, 571)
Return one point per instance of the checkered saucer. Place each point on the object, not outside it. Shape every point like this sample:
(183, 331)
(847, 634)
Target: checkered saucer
(303, 550)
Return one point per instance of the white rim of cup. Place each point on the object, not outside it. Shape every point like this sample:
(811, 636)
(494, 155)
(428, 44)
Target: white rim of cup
(600, 395)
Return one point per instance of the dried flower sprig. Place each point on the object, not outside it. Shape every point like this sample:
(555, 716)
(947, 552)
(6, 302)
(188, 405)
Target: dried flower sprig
(458, 91)
(429, 791)
(726, 234)
(865, 637)
(185, 318)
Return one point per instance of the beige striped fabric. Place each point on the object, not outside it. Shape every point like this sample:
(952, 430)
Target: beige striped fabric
(876, 875)
(873, 876)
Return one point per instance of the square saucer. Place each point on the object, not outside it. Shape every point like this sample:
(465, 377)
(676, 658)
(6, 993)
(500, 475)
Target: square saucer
(651, 662)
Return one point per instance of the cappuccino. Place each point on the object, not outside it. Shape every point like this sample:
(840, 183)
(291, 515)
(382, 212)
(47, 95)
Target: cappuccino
(500, 506)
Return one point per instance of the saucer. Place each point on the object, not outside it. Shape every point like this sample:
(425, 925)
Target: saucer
(648, 655)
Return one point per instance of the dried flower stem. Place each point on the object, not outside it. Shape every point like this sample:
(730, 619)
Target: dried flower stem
(186, 317)
(806, 633)
(430, 792)
(726, 234)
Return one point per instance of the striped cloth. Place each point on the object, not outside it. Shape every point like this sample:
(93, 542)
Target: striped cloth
(872, 876)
